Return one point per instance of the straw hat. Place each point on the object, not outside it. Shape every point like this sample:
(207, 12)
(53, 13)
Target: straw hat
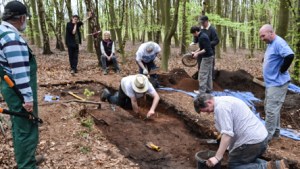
(140, 83)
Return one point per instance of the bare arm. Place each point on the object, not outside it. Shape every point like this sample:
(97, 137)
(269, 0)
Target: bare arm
(74, 29)
(154, 104)
(134, 104)
(225, 141)
(141, 64)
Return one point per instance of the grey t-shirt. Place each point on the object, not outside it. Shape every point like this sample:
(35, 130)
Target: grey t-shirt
(234, 118)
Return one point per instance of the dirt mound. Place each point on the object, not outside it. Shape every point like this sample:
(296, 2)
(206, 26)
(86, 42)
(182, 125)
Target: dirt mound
(173, 77)
(239, 80)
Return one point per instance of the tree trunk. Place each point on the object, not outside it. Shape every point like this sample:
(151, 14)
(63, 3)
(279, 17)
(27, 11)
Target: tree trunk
(118, 25)
(95, 27)
(283, 19)
(242, 40)
(58, 28)
(297, 53)
(31, 33)
(169, 32)
(224, 39)
(184, 29)
(36, 29)
(46, 44)
(251, 38)
(158, 20)
(69, 7)
(232, 32)
(218, 27)
(132, 21)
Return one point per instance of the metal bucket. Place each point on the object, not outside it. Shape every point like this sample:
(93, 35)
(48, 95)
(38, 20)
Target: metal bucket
(201, 158)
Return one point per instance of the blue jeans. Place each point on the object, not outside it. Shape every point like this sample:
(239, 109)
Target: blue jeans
(247, 156)
(105, 61)
(150, 66)
(274, 99)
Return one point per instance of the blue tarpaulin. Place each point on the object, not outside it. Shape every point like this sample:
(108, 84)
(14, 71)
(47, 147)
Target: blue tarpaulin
(249, 99)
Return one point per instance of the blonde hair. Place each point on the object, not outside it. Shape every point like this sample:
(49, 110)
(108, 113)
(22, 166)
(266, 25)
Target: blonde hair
(106, 33)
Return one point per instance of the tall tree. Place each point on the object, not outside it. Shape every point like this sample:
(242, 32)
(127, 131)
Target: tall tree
(31, 31)
(132, 21)
(169, 31)
(232, 32)
(46, 41)
(224, 34)
(95, 27)
(297, 53)
(251, 38)
(218, 27)
(283, 19)
(159, 20)
(36, 29)
(184, 28)
(69, 7)
(57, 26)
(118, 22)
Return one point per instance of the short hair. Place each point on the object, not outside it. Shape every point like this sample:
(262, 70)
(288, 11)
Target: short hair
(75, 16)
(106, 33)
(195, 29)
(200, 101)
(203, 18)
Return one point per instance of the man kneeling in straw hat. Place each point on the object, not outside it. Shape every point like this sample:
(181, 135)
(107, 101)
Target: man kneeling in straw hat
(132, 87)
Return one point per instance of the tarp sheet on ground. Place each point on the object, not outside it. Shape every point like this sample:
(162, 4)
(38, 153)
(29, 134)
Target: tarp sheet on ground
(249, 99)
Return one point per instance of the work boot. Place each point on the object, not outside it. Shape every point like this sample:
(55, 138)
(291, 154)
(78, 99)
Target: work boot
(104, 72)
(39, 159)
(72, 71)
(105, 94)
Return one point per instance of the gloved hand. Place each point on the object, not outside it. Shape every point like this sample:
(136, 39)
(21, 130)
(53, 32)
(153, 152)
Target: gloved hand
(145, 72)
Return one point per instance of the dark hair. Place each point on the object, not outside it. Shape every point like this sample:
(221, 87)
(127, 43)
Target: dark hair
(75, 16)
(200, 101)
(203, 18)
(195, 29)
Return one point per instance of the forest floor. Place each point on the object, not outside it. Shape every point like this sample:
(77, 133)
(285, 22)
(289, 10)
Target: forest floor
(78, 135)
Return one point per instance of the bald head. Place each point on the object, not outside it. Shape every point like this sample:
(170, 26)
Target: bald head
(266, 33)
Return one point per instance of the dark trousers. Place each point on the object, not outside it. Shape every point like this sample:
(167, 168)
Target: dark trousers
(73, 56)
(247, 156)
(150, 66)
(120, 99)
(105, 62)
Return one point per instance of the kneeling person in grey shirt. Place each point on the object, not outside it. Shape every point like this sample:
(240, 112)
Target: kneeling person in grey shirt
(243, 133)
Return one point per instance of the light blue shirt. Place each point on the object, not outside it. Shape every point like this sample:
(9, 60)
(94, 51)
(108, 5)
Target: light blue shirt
(276, 51)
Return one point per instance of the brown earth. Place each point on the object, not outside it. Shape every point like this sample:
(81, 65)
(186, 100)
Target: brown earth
(71, 141)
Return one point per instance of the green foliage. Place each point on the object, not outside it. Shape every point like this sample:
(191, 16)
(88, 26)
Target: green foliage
(85, 149)
(88, 93)
(88, 122)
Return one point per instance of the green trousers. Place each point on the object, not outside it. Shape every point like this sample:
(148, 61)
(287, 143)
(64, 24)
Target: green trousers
(24, 131)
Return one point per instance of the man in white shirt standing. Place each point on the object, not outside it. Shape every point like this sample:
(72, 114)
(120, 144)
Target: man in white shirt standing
(243, 133)
(131, 88)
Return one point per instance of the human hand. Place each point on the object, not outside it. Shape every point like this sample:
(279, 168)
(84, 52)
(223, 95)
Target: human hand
(150, 113)
(28, 106)
(194, 55)
(212, 161)
(145, 72)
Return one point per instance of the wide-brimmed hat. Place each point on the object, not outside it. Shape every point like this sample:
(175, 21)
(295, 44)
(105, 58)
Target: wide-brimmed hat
(14, 8)
(140, 83)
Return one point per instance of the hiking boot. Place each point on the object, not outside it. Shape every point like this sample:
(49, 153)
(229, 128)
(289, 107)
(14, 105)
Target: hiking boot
(104, 95)
(72, 72)
(39, 159)
(105, 72)
(117, 71)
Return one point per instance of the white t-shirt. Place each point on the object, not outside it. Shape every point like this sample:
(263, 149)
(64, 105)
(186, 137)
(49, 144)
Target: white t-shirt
(126, 85)
(143, 55)
(234, 118)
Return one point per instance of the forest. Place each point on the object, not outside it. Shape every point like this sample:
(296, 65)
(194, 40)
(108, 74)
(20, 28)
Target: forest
(167, 23)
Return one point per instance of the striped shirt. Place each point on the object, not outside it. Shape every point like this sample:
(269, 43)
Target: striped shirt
(14, 59)
(234, 118)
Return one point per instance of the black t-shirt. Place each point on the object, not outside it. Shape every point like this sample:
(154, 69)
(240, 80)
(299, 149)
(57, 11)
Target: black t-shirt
(204, 43)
